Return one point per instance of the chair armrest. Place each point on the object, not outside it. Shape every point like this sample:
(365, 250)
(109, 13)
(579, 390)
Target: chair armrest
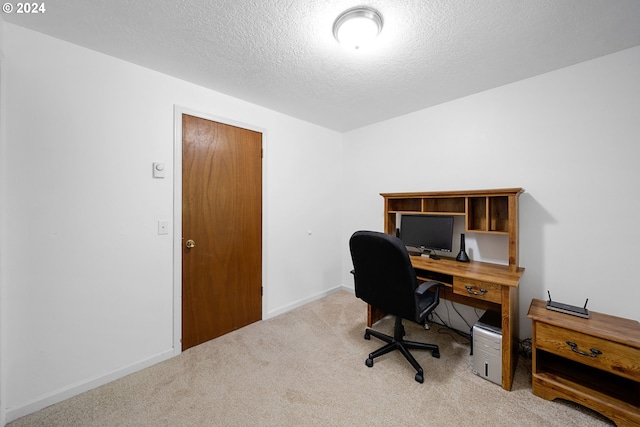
(423, 310)
(425, 286)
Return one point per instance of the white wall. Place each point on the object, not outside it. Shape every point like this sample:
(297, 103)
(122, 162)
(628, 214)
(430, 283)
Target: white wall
(87, 282)
(569, 138)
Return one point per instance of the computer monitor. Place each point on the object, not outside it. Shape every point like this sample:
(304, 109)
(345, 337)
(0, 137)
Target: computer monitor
(432, 232)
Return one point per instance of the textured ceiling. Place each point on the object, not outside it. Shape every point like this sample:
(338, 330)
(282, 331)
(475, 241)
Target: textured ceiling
(281, 54)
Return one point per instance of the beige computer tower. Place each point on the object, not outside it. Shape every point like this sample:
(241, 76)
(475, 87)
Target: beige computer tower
(487, 347)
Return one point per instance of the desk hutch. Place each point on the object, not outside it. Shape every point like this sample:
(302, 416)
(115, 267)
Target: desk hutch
(483, 285)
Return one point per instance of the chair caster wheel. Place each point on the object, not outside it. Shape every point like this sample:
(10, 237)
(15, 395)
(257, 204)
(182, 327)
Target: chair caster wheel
(367, 336)
(436, 354)
(369, 362)
(419, 377)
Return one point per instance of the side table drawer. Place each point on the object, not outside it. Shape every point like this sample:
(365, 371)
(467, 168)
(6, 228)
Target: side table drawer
(479, 289)
(599, 353)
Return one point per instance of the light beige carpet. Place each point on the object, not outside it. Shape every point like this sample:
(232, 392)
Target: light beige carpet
(306, 368)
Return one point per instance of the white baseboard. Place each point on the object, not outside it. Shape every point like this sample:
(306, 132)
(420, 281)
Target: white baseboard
(304, 301)
(65, 393)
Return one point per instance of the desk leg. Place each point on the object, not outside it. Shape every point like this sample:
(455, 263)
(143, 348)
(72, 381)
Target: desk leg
(373, 315)
(509, 335)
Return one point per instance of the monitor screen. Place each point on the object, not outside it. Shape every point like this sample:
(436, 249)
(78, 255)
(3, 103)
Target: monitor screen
(433, 232)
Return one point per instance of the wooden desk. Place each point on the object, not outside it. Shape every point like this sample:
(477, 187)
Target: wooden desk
(478, 284)
(491, 286)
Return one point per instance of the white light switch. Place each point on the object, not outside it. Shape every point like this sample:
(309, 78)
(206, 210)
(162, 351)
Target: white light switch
(163, 226)
(158, 169)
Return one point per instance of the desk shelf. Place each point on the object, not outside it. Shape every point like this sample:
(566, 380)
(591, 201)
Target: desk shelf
(488, 214)
(449, 205)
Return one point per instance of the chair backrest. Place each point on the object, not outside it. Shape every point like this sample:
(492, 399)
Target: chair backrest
(384, 276)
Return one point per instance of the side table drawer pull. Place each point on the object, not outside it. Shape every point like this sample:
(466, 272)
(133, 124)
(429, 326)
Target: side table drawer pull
(574, 347)
(472, 292)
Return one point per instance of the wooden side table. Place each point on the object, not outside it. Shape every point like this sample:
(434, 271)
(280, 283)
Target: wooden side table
(594, 362)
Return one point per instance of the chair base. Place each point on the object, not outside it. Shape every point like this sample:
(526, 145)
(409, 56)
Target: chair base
(397, 342)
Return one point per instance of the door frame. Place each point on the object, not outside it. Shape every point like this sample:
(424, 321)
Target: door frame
(177, 212)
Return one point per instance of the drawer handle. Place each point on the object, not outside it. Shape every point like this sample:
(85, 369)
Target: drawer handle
(574, 347)
(472, 292)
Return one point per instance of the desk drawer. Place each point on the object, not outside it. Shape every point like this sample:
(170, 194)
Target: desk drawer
(599, 353)
(478, 289)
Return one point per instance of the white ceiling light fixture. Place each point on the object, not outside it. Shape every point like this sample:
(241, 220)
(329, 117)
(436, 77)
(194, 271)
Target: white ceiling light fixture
(357, 27)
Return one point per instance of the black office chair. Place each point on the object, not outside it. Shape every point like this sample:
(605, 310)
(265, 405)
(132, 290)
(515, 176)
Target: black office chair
(385, 278)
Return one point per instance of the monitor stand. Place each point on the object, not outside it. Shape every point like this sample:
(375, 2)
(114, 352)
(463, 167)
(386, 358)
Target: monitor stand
(424, 252)
(432, 254)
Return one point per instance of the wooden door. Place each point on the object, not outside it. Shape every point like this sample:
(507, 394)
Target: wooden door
(222, 216)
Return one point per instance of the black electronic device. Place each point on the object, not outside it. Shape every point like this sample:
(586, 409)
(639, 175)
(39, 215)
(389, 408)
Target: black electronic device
(462, 255)
(568, 309)
(427, 232)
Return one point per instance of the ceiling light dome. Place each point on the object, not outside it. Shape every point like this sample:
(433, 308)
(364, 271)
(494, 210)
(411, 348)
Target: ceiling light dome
(357, 27)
